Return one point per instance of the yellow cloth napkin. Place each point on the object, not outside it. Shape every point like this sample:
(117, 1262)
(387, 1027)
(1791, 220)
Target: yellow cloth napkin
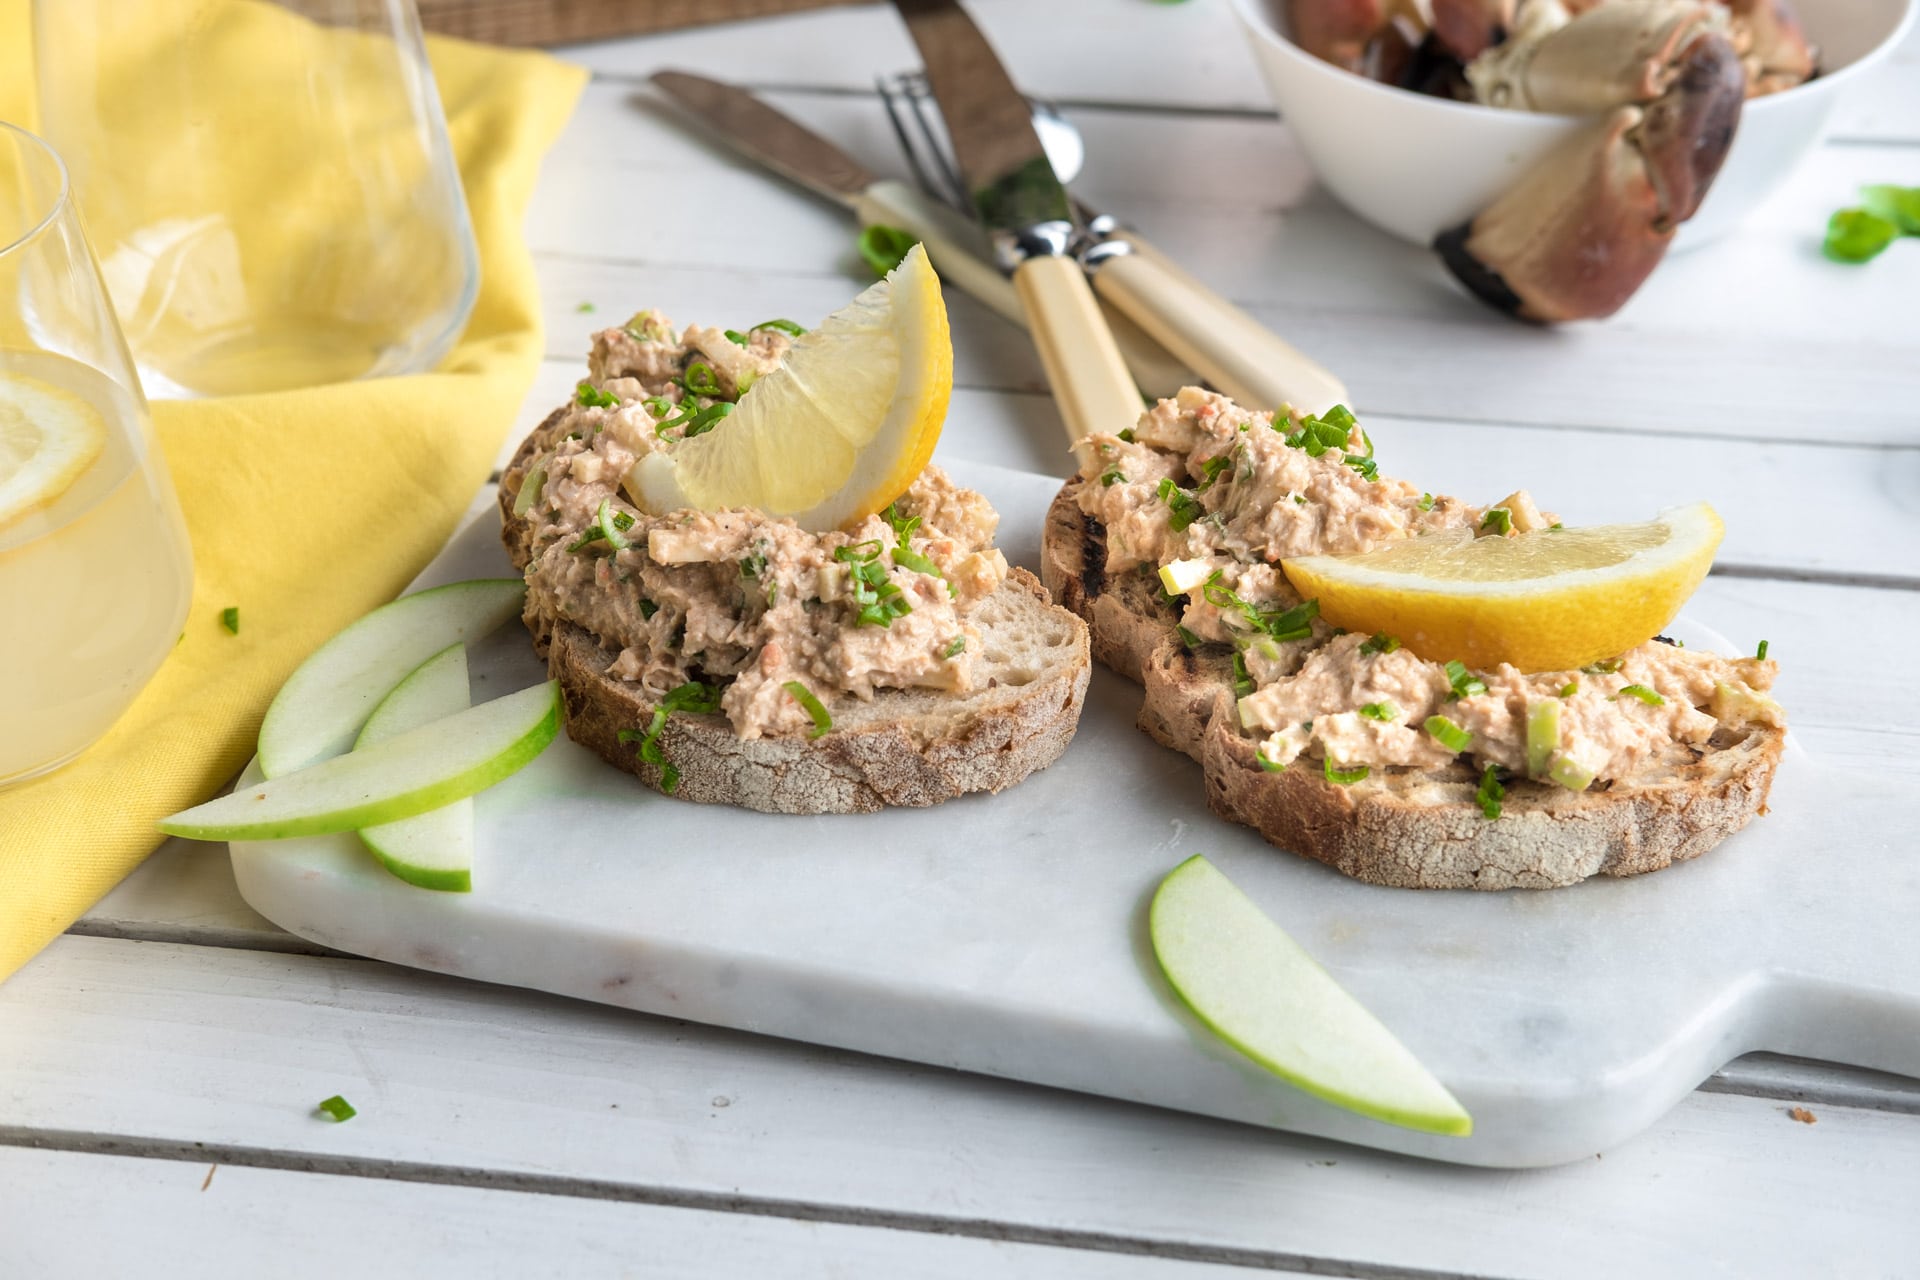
(306, 508)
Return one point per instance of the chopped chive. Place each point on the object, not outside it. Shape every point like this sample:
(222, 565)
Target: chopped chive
(593, 533)
(787, 327)
(907, 558)
(736, 337)
(658, 406)
(1183, 508)
(594, 398)
(647, 608)
(1762, 651)
(1855, 235)
(1464, 683)
(701, 380)
(1604, 667)
(879, 598)
(1426, 502)
(1380, 711)
(1448, 734)
(1270, 766)
(902, 526)
(612, 524)
(884, 247)
(1380, 642)
(1570, 688)
(1127, 435)
(1344, 777)
(1898, 205)
(337, 1109)
(230, 619)
(1242, 681)
(804, 696)
(1642, 693)
(958, 647)
(692, 697)
(1187, 638)
(584, 308)
(1491, 793)
(1299, 500)
(1112, 476)
(1499, 520)
(1210, 470)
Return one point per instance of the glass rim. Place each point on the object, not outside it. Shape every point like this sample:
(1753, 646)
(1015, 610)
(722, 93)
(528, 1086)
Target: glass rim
(61, 197)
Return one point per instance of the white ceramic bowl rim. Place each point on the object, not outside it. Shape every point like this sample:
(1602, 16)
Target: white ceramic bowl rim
(1257, 15)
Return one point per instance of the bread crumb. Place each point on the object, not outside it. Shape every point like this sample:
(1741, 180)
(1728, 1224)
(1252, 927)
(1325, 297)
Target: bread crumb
(1803, 1115)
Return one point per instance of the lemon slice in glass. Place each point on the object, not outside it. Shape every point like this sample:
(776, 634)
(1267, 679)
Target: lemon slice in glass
(1550, 600)
(48, 437)
(840, 429)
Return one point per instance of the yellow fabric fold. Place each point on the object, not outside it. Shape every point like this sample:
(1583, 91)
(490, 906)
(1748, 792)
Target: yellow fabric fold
(306, 508)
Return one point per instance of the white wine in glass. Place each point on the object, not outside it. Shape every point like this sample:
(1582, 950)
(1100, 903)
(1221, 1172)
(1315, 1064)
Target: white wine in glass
(96, 574)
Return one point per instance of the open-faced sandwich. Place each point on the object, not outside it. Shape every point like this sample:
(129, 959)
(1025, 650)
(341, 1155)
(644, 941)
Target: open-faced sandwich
(1414, 690)
(772, 600)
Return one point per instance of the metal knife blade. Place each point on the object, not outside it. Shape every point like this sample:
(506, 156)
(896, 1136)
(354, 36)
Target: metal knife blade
(773, 139)
(991, 127)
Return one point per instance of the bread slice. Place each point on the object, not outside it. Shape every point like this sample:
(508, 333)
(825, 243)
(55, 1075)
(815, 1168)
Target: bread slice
(1408, 828)
(905, 747)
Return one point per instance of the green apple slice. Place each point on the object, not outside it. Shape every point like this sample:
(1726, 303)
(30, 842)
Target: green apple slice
(435, 849)
(1255, 988)
(408, 774)
(327, 698)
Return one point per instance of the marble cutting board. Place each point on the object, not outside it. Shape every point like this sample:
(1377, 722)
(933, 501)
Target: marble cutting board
(1006, 935)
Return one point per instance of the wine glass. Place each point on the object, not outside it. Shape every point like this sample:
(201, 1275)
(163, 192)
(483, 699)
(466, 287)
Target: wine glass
(268, 183)
(95, 570)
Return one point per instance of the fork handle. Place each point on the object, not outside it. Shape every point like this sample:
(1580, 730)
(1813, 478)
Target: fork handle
(959, 254)
(1235, 352)
(1089, 380)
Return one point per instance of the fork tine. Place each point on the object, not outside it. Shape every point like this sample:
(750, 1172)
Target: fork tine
(891, 94)
(934, 130)
(906, 101)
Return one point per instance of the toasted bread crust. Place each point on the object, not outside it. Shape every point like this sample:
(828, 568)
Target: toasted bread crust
(904, 748)
(1407, 828)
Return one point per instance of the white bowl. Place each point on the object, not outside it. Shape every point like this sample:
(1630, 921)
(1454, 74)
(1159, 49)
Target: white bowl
(1416, 165)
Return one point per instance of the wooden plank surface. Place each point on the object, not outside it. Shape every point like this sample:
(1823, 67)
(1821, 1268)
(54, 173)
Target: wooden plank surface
(211, 1220)
(458, 1082)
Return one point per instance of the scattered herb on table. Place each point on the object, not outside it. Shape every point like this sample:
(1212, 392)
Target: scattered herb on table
(229, 618)
(1898, 205)
(1855, 235)
(337, 1109)
(883, 247)
(584, 308)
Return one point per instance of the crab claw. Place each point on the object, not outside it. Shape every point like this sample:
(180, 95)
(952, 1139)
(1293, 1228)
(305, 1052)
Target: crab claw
(1337, 31)
(1579, 233)
(1772, 45)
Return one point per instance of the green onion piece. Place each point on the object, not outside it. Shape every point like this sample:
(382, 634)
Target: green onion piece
(1260, 755)
(658, 406)
(1187, 638)
(907, 558)
(648, 608)
(1112, 476)
(1210, 470)
(1491, 793)
(1380, 711)
(1448, 734)
(736, 337)
(337, 1109)
(1762, 651)
(1426, 502)
(701, 380)
(1242, 680)
(1499, 520)
(1184, 509)
(753, 566)
(879, 598)
(230, 618)
(1465, 684)
(531, 485)
(584, 308)
(958, 647)
(903, 526)
(1605, 667)
(1367, 467)
(594, 398)
(1299, 500)
(804, 696)
(1856, 235)
(692, 697)
(787, 327)
(884, 247)
(1555, 527)
(1570, 688)
(1643, 693)
(1380, 642)
(593, 533)
(1344, 777)
(607, 520)
(1898, 205)
(1127, 435)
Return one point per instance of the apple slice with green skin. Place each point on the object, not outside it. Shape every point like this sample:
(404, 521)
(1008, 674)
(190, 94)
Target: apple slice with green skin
(435, 849)
(1255, 988)
(405, 775)
(324, 702)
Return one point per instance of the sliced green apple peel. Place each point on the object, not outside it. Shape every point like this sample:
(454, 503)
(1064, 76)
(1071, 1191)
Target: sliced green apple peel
(1261, 993)
(433, 850)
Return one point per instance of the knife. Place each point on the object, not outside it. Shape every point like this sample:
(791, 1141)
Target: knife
(1028, 218)
(777, 141)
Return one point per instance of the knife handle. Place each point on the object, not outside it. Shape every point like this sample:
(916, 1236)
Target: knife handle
(959, 254)
(1235, 352)
(1090, 381)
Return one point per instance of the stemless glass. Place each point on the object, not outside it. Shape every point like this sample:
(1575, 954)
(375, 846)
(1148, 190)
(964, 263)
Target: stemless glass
(268, 184)
(95, 570)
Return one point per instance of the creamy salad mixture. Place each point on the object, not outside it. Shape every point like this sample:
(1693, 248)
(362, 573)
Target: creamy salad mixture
(739, 598)
(1223, 494)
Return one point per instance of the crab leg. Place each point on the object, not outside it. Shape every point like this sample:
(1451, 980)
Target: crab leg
(1577, 235)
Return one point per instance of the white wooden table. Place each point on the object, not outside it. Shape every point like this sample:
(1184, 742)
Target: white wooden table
(159, 1064)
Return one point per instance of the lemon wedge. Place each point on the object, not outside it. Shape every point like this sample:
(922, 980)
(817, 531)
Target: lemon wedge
(840, 429)
(48, 437)
(1550, 600)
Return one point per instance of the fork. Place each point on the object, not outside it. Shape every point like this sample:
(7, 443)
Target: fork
(1165, 315)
